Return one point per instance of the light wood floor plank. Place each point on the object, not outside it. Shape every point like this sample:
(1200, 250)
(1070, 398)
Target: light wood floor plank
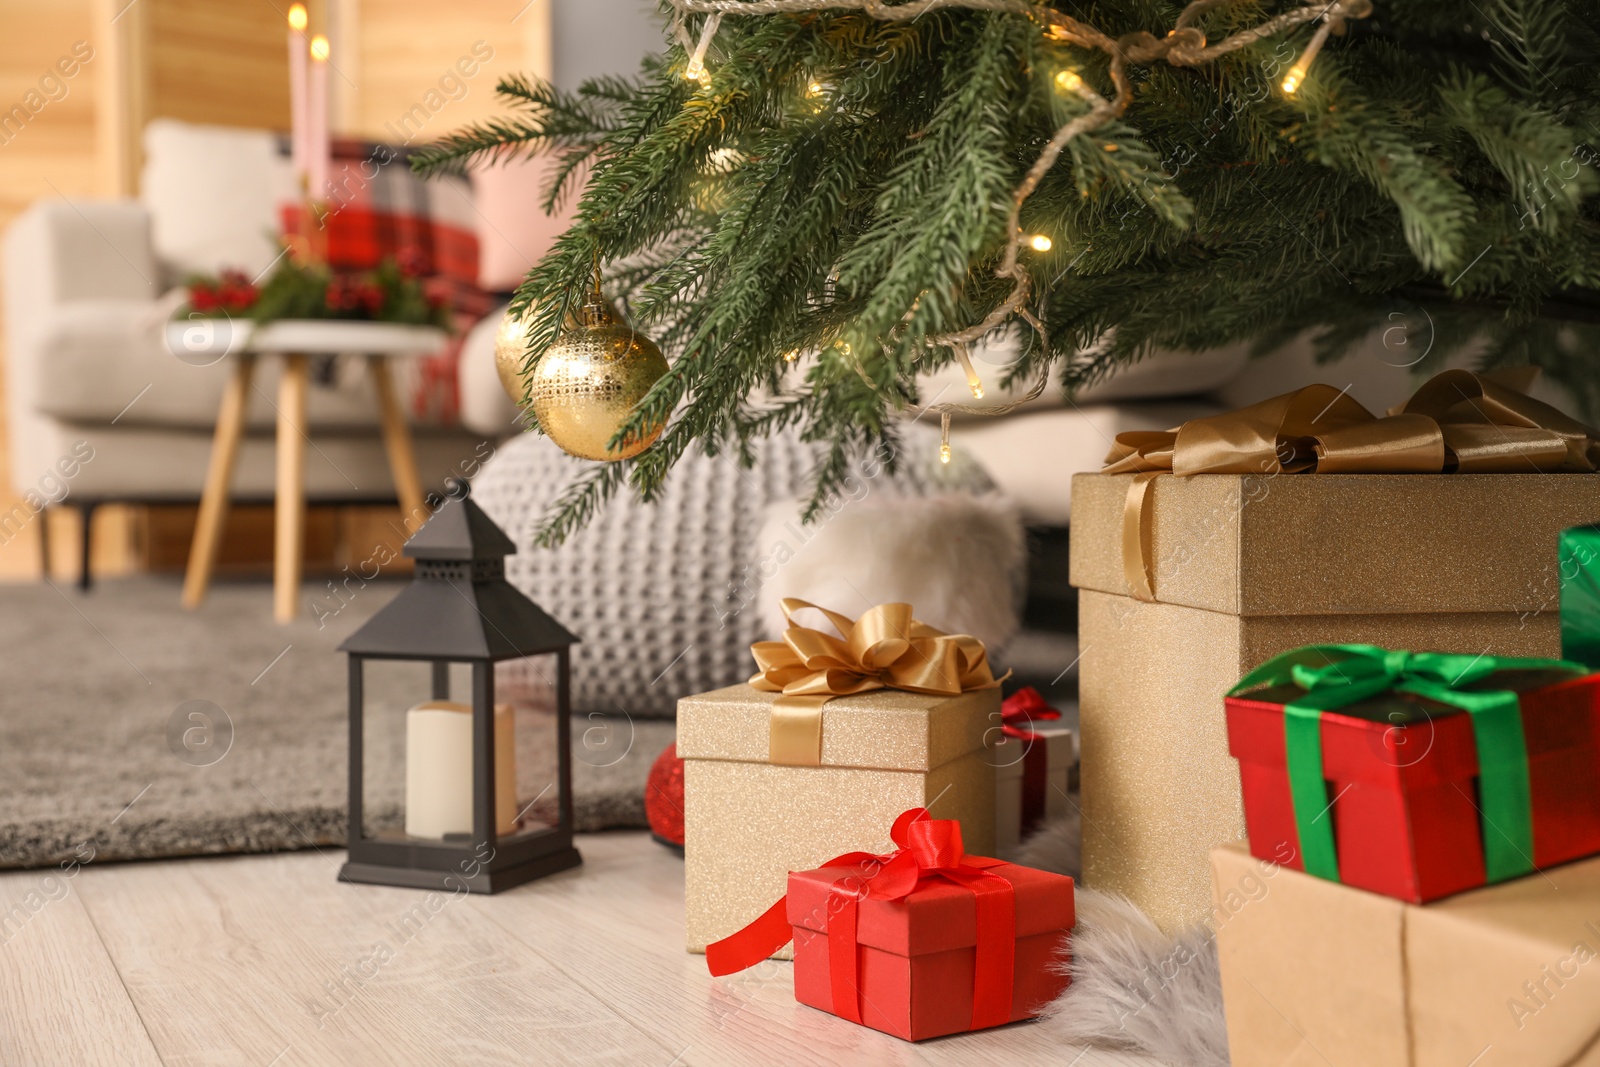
(269, 960)
(618, 932)
(61, 1001)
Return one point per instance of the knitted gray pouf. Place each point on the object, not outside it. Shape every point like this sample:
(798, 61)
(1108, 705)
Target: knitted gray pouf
(663, 595)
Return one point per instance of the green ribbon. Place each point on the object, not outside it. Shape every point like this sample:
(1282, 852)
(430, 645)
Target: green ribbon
(1580, 595)
(1335, 676)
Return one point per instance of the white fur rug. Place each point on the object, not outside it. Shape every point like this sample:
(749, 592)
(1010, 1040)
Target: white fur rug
(1133, 987)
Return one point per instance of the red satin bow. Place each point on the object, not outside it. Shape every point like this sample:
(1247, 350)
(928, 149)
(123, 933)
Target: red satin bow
(929, 848)
(1024, 706)
(1019, 711)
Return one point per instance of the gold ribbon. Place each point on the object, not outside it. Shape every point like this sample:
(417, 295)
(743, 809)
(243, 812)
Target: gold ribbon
(1457, 421)
(884, 649)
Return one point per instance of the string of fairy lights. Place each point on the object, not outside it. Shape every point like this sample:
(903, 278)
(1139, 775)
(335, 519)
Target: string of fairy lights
(1185, 45)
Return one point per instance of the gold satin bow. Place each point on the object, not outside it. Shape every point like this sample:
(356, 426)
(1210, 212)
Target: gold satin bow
(884, 649)
(1457, 421)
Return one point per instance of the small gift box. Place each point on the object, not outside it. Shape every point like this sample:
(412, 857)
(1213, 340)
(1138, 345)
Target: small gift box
(1417, 775)
(1033, 767)
(1580, 595)
(817, 755)
(922, 942)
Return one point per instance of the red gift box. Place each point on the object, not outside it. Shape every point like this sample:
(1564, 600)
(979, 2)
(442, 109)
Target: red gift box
(919, 943)
(1402, 776)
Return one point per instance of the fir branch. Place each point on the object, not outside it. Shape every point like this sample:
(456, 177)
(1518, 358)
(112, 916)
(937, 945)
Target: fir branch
(847, 194)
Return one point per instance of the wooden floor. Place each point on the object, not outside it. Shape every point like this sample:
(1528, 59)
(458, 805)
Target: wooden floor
(267, 960)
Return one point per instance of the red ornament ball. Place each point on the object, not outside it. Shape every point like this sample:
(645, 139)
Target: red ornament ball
(663, 798)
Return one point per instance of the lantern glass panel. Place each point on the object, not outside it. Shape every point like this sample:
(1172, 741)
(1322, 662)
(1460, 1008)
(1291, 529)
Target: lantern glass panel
(418, 779)
(390, 688)
(528, 686)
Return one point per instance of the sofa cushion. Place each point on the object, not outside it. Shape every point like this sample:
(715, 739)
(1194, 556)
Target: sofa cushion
(515, 233)
(1033, 456)
(213, 193)
(149, 463)
(1160, 375)
(105, 360)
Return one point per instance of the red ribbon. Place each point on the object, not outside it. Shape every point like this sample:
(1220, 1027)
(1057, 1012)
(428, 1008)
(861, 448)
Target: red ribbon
(1024, 706)
(929, 849)
(1017, 712)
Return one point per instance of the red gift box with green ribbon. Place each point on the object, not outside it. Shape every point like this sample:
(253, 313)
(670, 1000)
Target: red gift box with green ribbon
(1417, 774)
(921, 942)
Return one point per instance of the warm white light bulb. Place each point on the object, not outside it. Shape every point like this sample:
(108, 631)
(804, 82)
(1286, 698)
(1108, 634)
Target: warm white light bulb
(297, 17)
(944, 453)
(696, 70)
(974, 383)
(814, 89)
(320, 48)
(1068, 81)
(1297, 73)
(1040, 243)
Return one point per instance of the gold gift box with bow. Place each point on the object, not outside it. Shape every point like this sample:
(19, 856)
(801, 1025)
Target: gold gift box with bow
(817, 755)
(1201, 552)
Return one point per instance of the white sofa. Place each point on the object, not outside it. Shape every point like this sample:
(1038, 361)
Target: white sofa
(92, 387)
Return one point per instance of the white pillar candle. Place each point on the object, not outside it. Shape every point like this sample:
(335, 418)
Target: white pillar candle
(439, 769)
(317, 146)
(297, 93)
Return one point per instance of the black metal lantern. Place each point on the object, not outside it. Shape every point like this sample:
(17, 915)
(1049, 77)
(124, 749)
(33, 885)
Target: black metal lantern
(475, 810)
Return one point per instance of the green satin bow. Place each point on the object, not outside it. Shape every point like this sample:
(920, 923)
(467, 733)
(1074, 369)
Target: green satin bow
(1335, 676)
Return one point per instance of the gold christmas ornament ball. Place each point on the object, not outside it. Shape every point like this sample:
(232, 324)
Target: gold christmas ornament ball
(510, 348)
(588, 383)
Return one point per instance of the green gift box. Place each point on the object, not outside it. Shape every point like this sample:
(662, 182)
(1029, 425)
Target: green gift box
(1580, 595)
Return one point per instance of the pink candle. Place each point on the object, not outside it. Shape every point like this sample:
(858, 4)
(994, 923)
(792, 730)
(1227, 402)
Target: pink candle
(317, 139)
(297, 92)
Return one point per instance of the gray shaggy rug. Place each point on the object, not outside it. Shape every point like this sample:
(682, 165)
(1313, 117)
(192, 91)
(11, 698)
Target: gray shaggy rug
(1134, 988)
(99, 744)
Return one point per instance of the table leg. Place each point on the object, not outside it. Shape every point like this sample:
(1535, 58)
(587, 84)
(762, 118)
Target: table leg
(397, 442)
(219, 479)
(290, 505)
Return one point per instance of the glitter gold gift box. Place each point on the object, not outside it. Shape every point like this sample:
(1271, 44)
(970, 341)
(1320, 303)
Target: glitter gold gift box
(749, 822)
(1246, 567)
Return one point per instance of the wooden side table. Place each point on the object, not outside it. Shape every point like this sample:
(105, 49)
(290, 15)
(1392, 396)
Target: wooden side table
(295, 342)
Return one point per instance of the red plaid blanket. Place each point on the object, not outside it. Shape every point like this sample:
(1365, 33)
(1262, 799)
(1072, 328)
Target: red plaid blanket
(376, 208)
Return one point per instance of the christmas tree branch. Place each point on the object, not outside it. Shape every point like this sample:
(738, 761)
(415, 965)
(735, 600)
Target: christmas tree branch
(814, 205)
(1184, 46)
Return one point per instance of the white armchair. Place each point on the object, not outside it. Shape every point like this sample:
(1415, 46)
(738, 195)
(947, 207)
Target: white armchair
(100, 410)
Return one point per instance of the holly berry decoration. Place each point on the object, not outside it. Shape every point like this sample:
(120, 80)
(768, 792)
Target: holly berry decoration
(231, 292)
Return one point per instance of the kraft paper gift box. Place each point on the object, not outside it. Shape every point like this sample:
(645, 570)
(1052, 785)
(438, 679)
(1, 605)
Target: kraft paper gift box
(1318, 974)
(1248, 566)
(748, 822)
